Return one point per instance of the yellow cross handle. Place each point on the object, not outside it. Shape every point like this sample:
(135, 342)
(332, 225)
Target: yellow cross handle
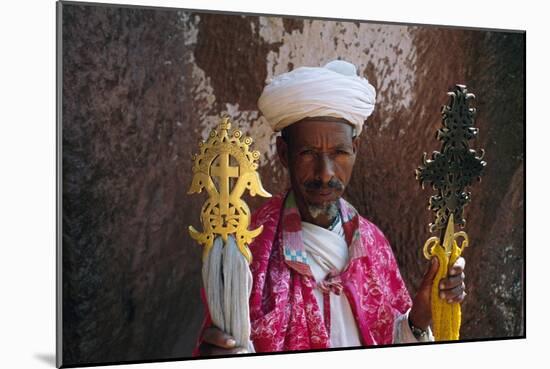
(446, 316)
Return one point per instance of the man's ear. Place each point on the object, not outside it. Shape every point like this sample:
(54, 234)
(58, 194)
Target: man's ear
(355, 143)
(282, 151)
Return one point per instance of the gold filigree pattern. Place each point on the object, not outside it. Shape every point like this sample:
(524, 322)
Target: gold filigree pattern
(224, 212)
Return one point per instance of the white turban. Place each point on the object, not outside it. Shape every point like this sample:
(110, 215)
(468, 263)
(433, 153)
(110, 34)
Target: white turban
(334, 90)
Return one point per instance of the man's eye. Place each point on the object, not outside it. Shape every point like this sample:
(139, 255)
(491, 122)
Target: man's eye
(342, 152)
(307, 152)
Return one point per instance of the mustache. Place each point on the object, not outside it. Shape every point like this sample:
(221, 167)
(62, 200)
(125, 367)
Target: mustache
(317, 184)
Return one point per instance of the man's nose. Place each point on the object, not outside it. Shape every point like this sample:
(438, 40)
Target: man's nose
(325, 168)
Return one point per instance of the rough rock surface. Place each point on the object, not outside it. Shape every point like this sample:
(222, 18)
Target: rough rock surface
(142, 86)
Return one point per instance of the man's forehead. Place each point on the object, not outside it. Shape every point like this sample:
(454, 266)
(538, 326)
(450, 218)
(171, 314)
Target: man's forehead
(312, 130)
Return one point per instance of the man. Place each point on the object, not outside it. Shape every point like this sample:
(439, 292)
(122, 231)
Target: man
(323, 276)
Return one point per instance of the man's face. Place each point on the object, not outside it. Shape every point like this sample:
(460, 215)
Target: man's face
(319, 157)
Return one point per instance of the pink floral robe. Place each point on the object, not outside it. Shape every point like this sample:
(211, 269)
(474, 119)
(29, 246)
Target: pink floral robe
(284, 313)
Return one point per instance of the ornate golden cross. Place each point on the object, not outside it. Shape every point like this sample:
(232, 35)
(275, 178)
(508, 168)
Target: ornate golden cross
(224, 213)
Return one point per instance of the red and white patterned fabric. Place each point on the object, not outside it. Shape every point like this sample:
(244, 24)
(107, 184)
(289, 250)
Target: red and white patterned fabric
(284, 313)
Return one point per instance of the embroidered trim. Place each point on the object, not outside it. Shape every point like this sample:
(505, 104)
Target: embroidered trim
(291, 236)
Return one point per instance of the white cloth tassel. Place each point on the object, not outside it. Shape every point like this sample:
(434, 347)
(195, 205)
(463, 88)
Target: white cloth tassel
(228, 283)
(212, 280)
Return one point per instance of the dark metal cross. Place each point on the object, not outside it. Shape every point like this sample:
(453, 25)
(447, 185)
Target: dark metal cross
(453, 169)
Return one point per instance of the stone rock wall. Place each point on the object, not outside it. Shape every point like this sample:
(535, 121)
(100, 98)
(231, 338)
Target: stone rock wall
(141, 87)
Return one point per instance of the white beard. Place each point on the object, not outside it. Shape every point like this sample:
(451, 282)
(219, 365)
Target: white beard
(330, 210)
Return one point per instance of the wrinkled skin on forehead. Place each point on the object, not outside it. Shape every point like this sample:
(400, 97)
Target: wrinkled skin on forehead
(319, 155)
